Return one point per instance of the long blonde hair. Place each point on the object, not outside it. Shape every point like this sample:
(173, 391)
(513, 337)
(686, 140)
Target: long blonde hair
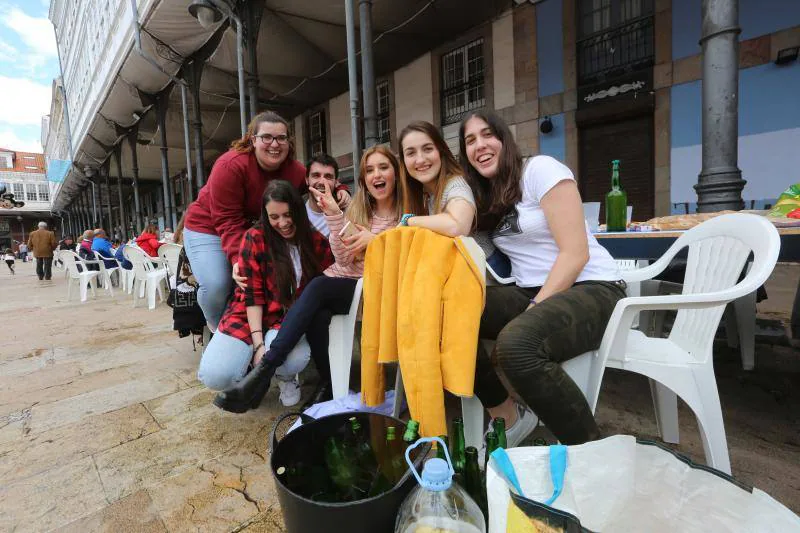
(412, 190)
(362, 207)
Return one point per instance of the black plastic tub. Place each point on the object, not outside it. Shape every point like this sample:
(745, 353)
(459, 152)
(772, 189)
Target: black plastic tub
(302, 515)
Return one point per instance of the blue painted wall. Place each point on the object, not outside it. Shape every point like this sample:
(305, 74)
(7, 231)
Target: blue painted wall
(756, 17)
(554, 143)
(549, 47)
(769, 133)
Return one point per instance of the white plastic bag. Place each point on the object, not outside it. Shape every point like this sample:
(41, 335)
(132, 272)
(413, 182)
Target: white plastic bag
(618, 484)
(348, 404)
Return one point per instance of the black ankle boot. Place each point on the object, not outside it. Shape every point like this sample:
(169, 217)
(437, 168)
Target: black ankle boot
(322, 393)
(248, 393)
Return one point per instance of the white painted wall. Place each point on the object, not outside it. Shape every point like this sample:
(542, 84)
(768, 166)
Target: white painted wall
(339, 120)
(413, 92)
(503, 60)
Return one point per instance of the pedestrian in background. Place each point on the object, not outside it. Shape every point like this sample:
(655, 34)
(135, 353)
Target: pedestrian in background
(8, 257)
(42, 242)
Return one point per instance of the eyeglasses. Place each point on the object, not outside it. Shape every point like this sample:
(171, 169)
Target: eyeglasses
(267, 138)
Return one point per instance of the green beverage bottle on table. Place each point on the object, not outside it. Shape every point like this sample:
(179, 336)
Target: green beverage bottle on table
(491, 445)
(616, 202)
(499, 425)
(473, 480)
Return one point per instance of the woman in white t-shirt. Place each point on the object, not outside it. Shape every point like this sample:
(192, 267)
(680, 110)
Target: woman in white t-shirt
(435, 194)
(566, 284)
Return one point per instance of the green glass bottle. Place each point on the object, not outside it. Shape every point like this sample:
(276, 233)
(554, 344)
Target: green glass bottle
(457, 449)
(616, 202)
(473, 480)
(540, 442)
(440, 449)
(499, 425)
(342, 471)
(395, 465)
(491, 445)
(361, 447)
(412, 432)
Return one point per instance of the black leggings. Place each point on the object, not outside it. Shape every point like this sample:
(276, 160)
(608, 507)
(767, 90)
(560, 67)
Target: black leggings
(531, 345)
(311, 315)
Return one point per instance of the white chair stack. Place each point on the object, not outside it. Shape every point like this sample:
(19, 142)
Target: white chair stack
(169, 254)
(340, 345)
(148, 278)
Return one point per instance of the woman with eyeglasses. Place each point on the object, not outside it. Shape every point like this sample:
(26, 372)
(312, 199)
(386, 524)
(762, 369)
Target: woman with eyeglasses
(231, 201)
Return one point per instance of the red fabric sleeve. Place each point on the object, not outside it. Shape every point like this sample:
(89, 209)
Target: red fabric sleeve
(251, 247)
(226, 203)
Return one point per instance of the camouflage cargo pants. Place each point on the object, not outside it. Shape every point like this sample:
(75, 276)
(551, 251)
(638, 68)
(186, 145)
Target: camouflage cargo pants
(531, 345)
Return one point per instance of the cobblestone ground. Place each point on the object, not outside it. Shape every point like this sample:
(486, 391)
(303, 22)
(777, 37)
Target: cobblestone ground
(104, 427)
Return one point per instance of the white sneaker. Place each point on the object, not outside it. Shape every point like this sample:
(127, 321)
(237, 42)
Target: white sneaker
(524, 426)
(290, 390)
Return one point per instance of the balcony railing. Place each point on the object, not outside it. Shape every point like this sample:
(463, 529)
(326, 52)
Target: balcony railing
(617, 51)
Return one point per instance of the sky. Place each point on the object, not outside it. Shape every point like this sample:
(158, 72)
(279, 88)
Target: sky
(28, 65)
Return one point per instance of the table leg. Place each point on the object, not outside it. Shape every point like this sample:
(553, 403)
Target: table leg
(745, 308)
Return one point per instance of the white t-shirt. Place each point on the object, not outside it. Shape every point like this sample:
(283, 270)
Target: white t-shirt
(318, 221)
(294, 253)
(524, 235)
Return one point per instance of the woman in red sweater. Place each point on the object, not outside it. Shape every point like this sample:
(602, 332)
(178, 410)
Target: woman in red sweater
(148, 240)
(279, 256)
(230, 202)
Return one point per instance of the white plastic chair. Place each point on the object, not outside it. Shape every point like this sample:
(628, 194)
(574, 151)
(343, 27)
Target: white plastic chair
(683, 362)
(106, 272)
(169, 253)
(83, 276)
(147, 277)
(340, 344)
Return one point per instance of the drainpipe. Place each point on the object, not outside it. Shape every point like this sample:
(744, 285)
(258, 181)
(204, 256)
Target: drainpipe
(122, 218)
(137, 206)
(352, 75)
(185, 110)
(719, 185)
(368, 74)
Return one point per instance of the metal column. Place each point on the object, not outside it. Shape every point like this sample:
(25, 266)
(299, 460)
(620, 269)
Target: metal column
(137, 206)
(719, 185)
(169, 199)
(110, 219)
(352, 75)
(368, 75)
(195, 71)
(123, 230)
(187, 146)
(252, 22)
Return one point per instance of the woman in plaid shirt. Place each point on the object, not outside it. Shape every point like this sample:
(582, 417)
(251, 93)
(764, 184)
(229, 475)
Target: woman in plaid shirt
(279, 257)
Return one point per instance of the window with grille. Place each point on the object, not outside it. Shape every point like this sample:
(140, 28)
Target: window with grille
(383, 112)
(30, 193)
(315, 134)
(44, 192)
(615, 36)
(462, 81)
(19, 191)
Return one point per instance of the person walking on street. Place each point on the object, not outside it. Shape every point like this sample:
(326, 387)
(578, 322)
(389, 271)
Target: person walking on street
(9, 258)
(23, 252)
(42, 242)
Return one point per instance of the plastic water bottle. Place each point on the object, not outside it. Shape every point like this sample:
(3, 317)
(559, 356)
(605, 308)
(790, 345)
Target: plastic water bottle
(438, 504)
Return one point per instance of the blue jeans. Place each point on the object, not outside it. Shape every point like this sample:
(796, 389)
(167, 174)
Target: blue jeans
(213, 272)
(225, 360)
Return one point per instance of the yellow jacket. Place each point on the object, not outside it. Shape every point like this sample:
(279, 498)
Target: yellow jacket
(423, 299)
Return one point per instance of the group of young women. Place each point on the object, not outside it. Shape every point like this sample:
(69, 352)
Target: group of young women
(290, 280)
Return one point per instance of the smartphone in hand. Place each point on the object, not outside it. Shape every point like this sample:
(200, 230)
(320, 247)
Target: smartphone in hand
(348, 230)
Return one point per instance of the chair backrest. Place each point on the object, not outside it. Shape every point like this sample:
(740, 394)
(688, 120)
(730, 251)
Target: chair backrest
(140, 261)
(71, 260)
(170, 252)
(718, 250)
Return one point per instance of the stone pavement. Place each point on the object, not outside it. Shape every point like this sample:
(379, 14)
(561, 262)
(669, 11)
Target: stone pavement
(104, 427)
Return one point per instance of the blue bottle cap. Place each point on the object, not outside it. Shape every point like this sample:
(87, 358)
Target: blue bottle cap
(436, 475)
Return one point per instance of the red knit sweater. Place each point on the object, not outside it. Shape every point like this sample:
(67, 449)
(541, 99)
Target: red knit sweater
(230, 202)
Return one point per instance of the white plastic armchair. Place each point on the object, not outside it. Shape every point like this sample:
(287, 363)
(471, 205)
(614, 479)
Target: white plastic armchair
(82, 276)
(106, 272)
(340, 344)
(169, 253)
(147, 277)
(683, 362)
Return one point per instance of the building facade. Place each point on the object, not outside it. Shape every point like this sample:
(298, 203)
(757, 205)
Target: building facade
(23, 174)
(615, 79)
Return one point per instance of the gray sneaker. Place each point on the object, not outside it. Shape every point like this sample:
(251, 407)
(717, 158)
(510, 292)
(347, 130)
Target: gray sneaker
(524, 426)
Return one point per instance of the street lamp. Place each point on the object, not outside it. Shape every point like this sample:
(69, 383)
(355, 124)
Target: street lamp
(22, 226)
(205, 12)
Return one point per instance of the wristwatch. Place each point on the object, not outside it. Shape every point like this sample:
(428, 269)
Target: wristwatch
(405, 217)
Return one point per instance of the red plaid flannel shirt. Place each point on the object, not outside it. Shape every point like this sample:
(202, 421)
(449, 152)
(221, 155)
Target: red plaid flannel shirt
(261, 286)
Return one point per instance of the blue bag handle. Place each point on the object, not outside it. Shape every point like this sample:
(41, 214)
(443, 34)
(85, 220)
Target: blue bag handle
(558, 468)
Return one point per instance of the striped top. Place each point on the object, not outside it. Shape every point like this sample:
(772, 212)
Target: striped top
(347, 265)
